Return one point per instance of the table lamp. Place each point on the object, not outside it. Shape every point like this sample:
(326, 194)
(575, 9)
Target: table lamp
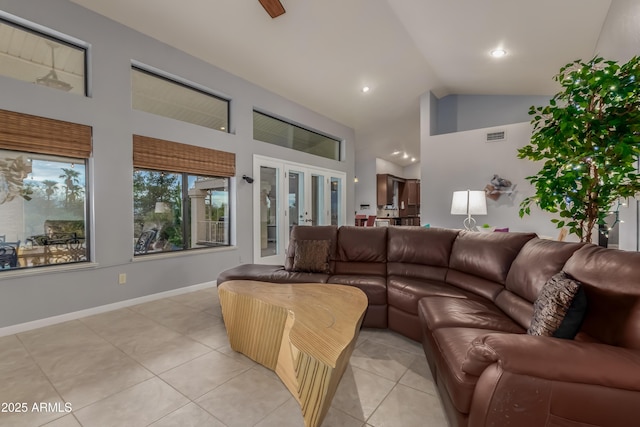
(469, 203)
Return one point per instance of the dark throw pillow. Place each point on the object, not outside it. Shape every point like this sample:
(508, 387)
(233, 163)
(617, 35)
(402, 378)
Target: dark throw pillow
(559, 309)
(311, 256)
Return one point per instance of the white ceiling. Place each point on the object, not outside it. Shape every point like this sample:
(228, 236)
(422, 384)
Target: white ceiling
(321, 53)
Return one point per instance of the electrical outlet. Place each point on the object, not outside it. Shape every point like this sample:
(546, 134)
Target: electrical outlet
(122, 278)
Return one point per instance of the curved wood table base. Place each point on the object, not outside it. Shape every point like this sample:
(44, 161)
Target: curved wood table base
(304, 332)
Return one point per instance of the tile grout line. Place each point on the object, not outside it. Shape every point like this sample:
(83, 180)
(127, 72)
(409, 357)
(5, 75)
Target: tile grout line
(35, 362)
(373, 338)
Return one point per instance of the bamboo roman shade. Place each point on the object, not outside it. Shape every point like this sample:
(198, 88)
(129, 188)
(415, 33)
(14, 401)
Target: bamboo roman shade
(158, 154)
(33, 134)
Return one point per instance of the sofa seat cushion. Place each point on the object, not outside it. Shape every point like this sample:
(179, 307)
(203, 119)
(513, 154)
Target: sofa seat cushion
(405, 292)
(269, 273)
(443, 312)
(375, 287)
(452, 345)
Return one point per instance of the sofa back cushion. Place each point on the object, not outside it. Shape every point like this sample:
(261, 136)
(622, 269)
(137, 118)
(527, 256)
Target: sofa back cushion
(319, 232)
(537, 262)
(419, 252)
(610, 279)
(362, 250)
(480, 262)
(487, 255)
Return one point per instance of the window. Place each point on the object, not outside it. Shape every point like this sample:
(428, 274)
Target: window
(181, 196)
(164, 223)
(279, 132)
(34, 54)
(43, 191)
(180, 101)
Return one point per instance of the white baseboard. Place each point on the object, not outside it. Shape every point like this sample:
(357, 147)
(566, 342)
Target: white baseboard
(48, 321)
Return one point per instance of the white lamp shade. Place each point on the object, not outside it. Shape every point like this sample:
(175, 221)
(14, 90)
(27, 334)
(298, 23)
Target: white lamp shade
(477, 203)
(469, 203)
(459, 203)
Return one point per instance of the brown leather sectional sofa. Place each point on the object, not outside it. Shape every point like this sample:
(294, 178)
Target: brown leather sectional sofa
(468, 298)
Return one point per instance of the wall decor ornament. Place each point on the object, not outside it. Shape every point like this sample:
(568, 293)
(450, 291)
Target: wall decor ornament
(588, 142)
(499, 186)
(12, 174)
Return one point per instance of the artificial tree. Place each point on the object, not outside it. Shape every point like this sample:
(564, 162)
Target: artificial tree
(589, 140)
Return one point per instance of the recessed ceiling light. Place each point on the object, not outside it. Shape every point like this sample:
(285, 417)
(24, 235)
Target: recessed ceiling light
(405, 156)
(395, 153)
(413, 159)
(365, 89)
(498, 53)
(223, 128)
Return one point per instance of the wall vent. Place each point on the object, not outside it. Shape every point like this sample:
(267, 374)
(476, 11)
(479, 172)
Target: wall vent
(500, 135)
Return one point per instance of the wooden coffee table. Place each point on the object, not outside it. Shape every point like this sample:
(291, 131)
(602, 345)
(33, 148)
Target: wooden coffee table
(304, 332)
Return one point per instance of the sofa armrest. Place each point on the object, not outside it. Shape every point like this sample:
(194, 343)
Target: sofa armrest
(556, 359)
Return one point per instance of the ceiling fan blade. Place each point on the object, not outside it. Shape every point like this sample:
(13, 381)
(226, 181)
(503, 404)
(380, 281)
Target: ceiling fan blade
(273, 7)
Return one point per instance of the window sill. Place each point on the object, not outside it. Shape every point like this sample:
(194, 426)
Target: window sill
(175, 254)
(50, 269)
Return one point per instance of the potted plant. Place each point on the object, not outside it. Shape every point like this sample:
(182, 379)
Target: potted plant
(589, 139)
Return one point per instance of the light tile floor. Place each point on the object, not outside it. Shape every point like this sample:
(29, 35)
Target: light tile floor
(168, 363)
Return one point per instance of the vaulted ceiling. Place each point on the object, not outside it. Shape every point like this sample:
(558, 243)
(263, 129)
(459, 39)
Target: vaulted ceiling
(321, 53)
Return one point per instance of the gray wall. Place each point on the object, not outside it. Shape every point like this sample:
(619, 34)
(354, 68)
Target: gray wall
(461, 161)
(456, 113)
(40, 293)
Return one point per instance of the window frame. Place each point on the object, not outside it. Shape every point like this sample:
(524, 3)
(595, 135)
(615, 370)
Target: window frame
(186, 214)
(34, 240)
(56, 36)
(171, 78)
(339, 141)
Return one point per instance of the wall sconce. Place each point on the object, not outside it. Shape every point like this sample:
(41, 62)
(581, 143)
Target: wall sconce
(248, 179)
(469, 203)
(355, 179)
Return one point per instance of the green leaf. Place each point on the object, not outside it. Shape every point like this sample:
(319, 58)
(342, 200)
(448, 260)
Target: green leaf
(588, 137)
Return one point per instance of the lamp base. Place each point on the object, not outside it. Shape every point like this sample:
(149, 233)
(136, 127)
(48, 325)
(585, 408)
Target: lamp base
(469, 223)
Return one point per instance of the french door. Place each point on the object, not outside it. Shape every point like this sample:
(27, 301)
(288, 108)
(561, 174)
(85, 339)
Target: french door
(289, 194)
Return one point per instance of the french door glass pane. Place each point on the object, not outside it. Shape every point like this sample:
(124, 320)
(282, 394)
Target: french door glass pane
(336, 197)
(268, 211)
(317, 199)
(296, 199)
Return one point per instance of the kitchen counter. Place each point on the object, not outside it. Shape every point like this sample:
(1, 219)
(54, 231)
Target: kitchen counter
(400, 220)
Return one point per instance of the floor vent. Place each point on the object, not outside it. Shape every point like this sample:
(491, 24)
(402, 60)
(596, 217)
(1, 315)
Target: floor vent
(496, 136)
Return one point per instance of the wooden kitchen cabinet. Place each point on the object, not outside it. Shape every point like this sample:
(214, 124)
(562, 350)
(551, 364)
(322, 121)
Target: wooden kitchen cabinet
(385, 189)
(408, 203)
(413, 221)
(410, 198)
(412, 192)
